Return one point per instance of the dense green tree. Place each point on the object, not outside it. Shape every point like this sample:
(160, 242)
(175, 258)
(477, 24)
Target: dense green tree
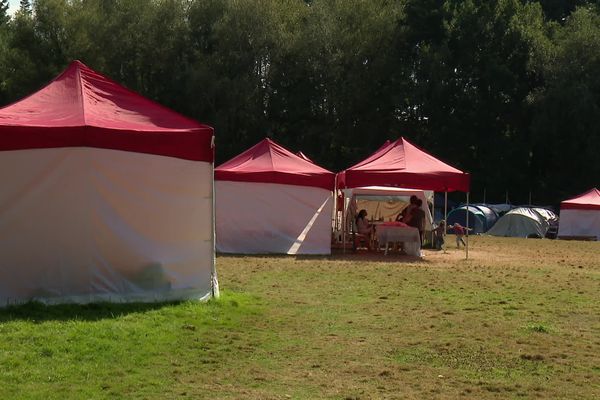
(25, 61)
(340, 76)
(4, 17)
(472, 78)
(566, 124)
(4, 51)
(25, 6)
(232, 42)
(504, 89)
(558, 10)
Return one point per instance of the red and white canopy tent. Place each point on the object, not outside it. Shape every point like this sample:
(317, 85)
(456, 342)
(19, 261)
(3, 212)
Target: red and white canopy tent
(270, 200)
(106, 196)
(580, 216)
(402, 164)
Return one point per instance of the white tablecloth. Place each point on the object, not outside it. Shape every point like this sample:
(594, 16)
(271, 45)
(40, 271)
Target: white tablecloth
(387, 234)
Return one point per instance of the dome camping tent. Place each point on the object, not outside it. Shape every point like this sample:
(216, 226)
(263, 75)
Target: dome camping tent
(490, 215)
(521, 222)
(269, 200)
(481, 217)
(106, 196)
(476, 218)
(580, 216)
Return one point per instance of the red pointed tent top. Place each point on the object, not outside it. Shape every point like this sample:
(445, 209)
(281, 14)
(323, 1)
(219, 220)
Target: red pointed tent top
(269, 162)
(589, 200)
(400, 163)
(82, 108)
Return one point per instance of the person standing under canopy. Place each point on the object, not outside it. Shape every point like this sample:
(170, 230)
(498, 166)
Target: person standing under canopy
(417, 218)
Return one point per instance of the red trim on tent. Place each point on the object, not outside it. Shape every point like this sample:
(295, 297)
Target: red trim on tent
(81, 107)
(402, 164)
(269, 162)
(589, 200)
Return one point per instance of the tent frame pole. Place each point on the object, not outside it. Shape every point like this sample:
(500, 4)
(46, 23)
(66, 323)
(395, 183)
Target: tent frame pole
(214, 280)
(445, 211)
(467, 230)
(432, 217)
(343, 222)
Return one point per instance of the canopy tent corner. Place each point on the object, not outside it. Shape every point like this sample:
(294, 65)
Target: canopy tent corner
(89, 198)
(287, 203)
(402, 164)
(580, 216)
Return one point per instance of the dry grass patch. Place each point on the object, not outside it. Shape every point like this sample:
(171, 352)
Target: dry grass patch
(515, 320)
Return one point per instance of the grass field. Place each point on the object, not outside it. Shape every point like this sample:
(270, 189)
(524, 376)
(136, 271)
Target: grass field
(519, 320)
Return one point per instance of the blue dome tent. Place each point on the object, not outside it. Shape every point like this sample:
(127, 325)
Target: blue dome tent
(481, 218)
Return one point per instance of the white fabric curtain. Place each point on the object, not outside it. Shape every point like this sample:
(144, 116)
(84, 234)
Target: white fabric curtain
(255, 218)
(86, 224)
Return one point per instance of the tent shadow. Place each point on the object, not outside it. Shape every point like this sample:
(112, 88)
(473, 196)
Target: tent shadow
(361, 256)
(364, 256)
(379, 257)
(38, 312)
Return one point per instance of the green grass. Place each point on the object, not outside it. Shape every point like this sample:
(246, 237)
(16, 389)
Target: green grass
(519, 320)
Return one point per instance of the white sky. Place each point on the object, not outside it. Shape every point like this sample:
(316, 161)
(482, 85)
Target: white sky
(13, 6)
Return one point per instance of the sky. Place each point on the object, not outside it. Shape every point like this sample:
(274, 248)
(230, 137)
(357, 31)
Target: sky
(13, 5)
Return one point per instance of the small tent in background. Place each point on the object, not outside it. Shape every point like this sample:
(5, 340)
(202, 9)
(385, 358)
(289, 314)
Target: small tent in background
(90, 207)
(481, 217)
(580, 216)
(501, 208)
(521, 222)
(269, 200)
(547, 214)
(490, 215)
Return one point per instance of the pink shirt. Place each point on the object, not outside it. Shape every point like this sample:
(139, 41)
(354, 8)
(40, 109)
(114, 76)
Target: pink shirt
(459, 230)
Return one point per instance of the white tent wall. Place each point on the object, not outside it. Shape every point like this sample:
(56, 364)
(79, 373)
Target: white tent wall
(85, 225)
(258, 218)
(579, 223)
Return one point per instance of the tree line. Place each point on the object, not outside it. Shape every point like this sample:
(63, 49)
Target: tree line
(507, 90)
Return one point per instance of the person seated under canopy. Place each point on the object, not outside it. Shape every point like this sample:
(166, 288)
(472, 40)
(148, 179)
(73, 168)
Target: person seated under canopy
(363, 227)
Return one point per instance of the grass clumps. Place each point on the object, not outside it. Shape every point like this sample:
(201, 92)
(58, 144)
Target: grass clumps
(538, 328)
(516, 320)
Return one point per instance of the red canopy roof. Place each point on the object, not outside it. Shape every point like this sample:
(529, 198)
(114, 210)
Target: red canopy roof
(589, 200)
(400, 163)
(81, 108)
(268, 162)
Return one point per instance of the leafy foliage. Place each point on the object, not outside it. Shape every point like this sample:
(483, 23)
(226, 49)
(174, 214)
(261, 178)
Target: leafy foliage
(504, 89)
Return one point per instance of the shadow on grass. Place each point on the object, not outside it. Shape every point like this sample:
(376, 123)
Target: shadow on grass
(38, 312)
(378, 257)
(338, 255)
